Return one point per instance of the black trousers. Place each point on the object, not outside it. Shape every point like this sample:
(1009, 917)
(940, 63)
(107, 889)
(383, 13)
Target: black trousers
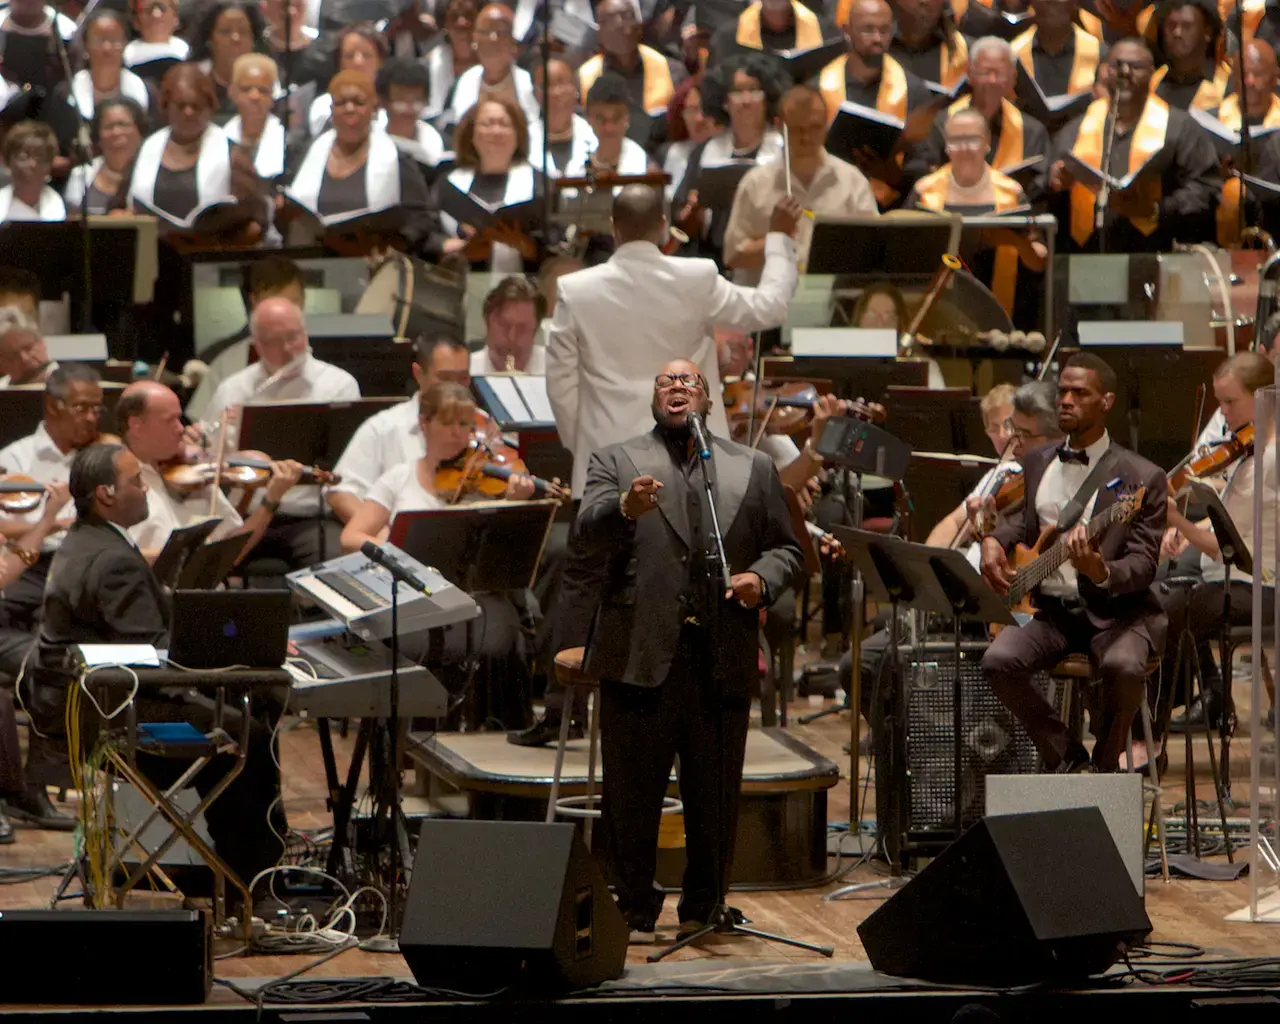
(642, 731)
(12, 781)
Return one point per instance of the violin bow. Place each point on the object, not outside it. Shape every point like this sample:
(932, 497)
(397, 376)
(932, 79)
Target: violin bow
(217, 461)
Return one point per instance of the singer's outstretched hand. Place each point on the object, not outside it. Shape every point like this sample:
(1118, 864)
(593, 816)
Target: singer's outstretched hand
(641, 497)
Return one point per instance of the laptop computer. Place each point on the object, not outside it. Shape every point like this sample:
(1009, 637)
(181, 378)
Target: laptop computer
(222, 628)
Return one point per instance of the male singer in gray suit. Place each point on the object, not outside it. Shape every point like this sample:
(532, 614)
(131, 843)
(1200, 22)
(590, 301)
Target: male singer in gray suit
(674, 650)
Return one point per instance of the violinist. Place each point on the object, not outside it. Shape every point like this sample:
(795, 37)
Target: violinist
(1201, 607)
(285, 371)
(149, 417)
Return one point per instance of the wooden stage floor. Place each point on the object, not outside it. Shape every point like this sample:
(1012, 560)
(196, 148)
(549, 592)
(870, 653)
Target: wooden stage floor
(1181, 911)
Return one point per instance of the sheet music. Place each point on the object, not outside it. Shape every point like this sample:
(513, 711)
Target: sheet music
(509, 396)
(533, 389)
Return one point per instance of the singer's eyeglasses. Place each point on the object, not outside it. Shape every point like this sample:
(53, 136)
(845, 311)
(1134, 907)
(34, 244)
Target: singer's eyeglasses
(688, 381)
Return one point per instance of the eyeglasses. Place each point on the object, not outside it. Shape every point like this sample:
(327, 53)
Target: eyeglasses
(492, 37)
(82, 408)
(1021, 433)
(745, 95)
(107, 44)
(967, 143)
(688, 381)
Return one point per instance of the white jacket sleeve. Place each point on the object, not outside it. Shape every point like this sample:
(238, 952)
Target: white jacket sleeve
(762, 307)
(563, 358)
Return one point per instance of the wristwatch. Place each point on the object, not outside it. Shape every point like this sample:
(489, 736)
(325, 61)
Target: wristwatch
(24, 555)
(271, 505)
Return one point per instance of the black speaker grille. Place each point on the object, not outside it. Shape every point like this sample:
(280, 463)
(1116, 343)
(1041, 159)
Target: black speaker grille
(994, 742)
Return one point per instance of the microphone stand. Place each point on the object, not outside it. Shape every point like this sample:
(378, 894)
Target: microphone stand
(1103, 200)
(723, 919)
(1246, 143)
(84, 154)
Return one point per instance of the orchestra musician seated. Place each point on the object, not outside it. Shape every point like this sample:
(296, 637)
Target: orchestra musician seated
(102, 590)
(823, 184)
(116, 132)
(149, 418)
(227, 30)
(24, 356)
(361, 49)
(512, 315)
(254, 80)
(1100, 602)
(1172, 199)
(496, 76)
(969, 185)
(29, 151)
(1189, 32)
(492, 143)
(285, 371)
(447, 422)
(569, 138)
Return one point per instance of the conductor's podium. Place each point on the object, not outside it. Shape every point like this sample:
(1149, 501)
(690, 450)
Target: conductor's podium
(782, 821)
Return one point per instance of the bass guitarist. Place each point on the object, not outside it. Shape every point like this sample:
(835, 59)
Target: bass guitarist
(1099, 602)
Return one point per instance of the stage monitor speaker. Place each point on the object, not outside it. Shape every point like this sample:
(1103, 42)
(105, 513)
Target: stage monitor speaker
(496, 904)
(1018, 898)
(106, 957)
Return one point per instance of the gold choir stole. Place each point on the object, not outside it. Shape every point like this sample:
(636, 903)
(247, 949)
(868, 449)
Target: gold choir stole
(1148, 140)
(954, 61)
(891, 98)
(808, 31)
(1228, 213)
(1084, 62)
(1211, 91)
(933, 191)
(1092, 24)
(658, 87)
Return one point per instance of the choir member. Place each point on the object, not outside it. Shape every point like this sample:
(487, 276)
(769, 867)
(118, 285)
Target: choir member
(157, 47)
(1173, 199)
(1188, 33)
(1003, 18)
(254, 80)
(454, 55)
(742, 93)
(103, 37)
(31, 54)
(868, 76)
(496, 74)
(29, 152)
(569, 138)
(360, 48)
(688, 127)
(1056, 52)
(116, 132)
(403, 86)
(1014, 137)
(609, 115)
(354, 168)
(651, 78)
(228, 30)
(768, 25)
(824, 185)
(188, 164)
(968, 184)
(1261, 110)
(492, 144)
(927, 43)
(291, 43)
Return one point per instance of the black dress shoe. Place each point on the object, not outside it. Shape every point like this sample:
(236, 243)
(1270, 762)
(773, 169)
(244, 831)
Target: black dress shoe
(543, 733)
(1194, 716)
(6, 828)
(35, 808)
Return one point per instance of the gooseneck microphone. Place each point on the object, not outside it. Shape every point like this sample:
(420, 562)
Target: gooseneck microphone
(393, 565)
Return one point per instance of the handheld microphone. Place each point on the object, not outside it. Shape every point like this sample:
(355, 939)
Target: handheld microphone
(700, 439)
(393, 565)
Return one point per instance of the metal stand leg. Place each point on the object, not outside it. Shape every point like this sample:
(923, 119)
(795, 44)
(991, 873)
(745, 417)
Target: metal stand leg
(593, 715)
(570, 694)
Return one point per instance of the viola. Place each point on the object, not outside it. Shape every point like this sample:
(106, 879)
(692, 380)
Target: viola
(248, 470)
(1212, 461)
(785, 407)
(484, 467)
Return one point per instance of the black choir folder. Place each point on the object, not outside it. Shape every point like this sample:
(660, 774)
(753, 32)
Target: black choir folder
(1049, 110)
(1088, 175)
(1227, 142)
(802, 65)
(466, 208)
(949, 93)
(717, 183)
(856, 125)
(388, 221)
(220, 217)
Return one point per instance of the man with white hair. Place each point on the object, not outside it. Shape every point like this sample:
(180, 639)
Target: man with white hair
(285, 371)
(1015, 138)
(24, 358)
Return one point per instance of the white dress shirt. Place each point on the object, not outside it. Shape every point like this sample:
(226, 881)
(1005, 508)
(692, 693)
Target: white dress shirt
(385, 440)
(167, 512)
(38, 457)
(1238, 497)
(314, 381)
(482, 363)
(399, 490)
(1058, 486)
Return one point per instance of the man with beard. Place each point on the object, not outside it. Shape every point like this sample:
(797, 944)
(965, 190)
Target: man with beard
(674, 649)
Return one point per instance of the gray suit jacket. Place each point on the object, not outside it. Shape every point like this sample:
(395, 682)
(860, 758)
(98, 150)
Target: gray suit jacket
(639, 619)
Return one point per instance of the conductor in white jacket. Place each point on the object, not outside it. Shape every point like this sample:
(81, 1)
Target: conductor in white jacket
(614, 324)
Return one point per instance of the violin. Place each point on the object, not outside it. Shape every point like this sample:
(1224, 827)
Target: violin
(1009, 497)
(20, 494)
(1212, 461)
(248, 470)
(782, 408)
(484, 467)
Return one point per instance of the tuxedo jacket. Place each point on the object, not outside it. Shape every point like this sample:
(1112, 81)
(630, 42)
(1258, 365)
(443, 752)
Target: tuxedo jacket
(639, 618)
(1131, 550)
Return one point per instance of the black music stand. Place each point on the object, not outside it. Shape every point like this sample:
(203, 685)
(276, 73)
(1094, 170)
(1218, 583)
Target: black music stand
(865, 248)
(178, 549)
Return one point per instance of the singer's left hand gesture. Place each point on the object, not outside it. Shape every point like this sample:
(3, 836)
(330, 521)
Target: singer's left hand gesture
(746, 588)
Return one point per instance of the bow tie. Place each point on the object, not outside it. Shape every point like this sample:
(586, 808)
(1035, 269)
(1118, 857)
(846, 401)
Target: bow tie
(1065, 454)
